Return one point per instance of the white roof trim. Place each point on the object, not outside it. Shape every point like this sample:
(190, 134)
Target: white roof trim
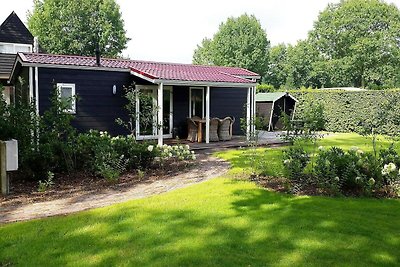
(192, 83)
(295, 99)
(205, 83)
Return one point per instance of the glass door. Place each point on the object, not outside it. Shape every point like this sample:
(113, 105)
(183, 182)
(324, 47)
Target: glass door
(147, 109)
(196, 102)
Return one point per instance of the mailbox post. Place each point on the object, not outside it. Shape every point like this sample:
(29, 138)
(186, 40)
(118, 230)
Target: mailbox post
(3, 168)
(8, 162)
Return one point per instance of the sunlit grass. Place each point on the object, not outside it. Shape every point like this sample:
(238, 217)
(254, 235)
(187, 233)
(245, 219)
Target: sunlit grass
(269, 160)
(221, 222)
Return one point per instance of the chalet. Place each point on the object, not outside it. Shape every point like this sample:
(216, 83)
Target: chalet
(179, 91)
(14, 37)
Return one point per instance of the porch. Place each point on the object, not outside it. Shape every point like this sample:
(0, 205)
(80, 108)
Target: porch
(186, 91)
(174, 104)
(265, 139)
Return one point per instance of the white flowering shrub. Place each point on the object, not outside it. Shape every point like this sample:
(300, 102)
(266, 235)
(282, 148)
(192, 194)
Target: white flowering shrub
(108, 157)
(295, 160)
(354, 171)
(177, 152)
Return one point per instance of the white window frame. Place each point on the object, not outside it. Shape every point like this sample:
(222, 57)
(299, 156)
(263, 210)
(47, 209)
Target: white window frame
(153, 89)
(14, 45)
(73, 102)
(190, 100)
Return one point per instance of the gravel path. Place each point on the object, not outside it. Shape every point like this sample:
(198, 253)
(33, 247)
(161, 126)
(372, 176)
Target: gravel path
(208, 167)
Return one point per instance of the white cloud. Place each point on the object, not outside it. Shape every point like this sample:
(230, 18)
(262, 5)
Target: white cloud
(170, 30)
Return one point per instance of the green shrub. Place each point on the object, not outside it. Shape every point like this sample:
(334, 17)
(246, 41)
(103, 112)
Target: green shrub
(265, 88)
(349, 111)
(353, 171)
(336, 169)
(107, 156)
(295, 160)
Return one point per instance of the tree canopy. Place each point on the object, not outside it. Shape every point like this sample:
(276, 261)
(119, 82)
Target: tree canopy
(363, 36)
(239, 42)
(76, 27)
(353, 43)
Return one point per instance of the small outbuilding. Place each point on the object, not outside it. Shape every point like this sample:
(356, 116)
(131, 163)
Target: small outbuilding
(269, 107)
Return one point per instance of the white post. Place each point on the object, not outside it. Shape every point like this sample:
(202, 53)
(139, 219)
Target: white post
(254, 110)
(30, 84)
(160, 113)
(37, 89)
(208, 114)
(248, 113)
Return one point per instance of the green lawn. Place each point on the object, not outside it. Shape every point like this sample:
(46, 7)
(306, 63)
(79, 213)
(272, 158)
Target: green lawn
(270, 159)
(221, 222)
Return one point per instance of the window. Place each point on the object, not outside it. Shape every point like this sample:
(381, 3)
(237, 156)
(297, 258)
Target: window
(7, 93)
(196, 106)
(10, 48)
(67, 96)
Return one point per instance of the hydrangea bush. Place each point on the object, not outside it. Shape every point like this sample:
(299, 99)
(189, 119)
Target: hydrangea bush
(176, 152)
(337, 171)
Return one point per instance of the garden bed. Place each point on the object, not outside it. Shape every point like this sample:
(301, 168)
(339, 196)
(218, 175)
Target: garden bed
(285, 185)
(70, 185)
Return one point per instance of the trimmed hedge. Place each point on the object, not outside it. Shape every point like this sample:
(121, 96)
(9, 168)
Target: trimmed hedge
(346, 111)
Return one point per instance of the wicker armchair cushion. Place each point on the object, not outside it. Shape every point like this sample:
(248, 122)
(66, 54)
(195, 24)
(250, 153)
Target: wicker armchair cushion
(214, 123)
(225, 129)
(192, 130)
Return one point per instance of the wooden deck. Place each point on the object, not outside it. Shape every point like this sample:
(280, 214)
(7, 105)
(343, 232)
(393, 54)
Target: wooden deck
(270, 139)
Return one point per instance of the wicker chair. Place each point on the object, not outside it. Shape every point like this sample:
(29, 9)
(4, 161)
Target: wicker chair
(225, 129)
(192, 130)
(214, 123)
(196, 118)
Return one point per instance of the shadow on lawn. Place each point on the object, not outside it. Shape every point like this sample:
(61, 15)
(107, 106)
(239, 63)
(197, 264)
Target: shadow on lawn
(257, 228)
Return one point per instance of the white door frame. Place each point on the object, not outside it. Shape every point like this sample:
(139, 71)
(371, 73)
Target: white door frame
(154, 89)
(190, 101)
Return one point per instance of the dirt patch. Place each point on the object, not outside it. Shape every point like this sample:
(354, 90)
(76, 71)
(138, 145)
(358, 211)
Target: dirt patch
(82, 192)
(69, 185)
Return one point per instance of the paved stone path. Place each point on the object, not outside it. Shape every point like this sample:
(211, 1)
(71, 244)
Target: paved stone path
(208, 167)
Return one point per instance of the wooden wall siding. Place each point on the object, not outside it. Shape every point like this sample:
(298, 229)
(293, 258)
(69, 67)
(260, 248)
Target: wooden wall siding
(229, 102)
(263, 110)
(181, 110)
(96, 108)
(223, 102)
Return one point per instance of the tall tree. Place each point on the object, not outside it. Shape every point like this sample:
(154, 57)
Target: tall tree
(239, 42)
(202, 55)
(299, 67)
(277, 66)
(77, 27)
(365, 36)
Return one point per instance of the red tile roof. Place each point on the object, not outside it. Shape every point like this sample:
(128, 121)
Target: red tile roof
(151, 70)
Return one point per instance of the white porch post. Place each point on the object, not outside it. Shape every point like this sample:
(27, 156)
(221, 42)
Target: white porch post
(160, 113)
(248, 106)
(30, 84)
(37, 89)
(208, 114)
(254, 110)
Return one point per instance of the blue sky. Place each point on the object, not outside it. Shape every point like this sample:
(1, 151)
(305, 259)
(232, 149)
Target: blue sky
(170, 30)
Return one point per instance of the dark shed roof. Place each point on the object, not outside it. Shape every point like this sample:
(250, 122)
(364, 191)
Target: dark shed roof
(6, 65)
(13, 30)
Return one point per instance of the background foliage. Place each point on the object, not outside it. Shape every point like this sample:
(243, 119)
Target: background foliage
(346, 111)
(75, 27)
(239, 42)
(354, 43)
